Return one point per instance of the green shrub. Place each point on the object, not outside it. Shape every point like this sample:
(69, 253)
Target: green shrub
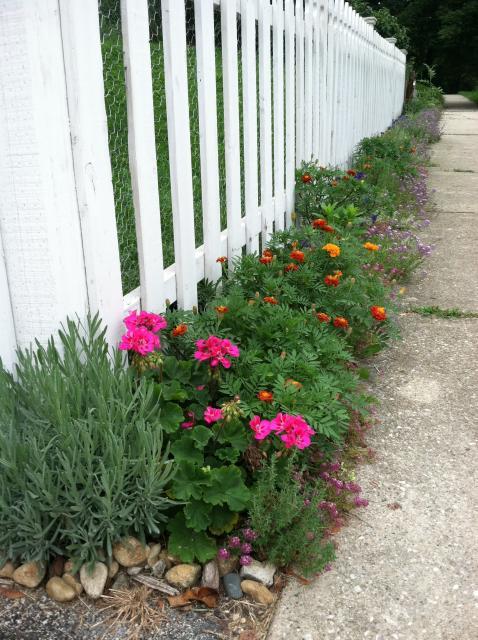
(82, 454)
(287, 518)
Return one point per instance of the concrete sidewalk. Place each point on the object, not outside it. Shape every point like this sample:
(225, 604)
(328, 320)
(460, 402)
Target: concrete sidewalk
(410, 572)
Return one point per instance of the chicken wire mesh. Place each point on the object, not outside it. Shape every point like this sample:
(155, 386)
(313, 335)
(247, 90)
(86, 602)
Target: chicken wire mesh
(116, 109)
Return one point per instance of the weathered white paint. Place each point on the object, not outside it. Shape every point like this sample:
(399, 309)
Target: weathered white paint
(91, 161)
(142, 150)
(279, 137)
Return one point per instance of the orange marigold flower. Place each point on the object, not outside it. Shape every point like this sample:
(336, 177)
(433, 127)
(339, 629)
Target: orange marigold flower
(338, 273)
(270, 300)
(222, 309)
(340, 322)
(291, 267)
(319, 222)
(294, 383)
(297, 255)
(268, 253)
(265, 396)
(265, 259)
(328, 228)
(334, 183)
(378, 313)
(332, 249)
(332, 281)
(351, 172)
(294, 244)
(371, 246)
(179, 330)
(222, 259)
(306, 178)
(323, 317)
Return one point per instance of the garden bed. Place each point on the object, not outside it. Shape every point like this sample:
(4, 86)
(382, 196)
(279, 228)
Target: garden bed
(225, 454)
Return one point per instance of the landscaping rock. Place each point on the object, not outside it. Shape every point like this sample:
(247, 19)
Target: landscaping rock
(29, 574)
(113, 569)
(134, 571)
(153, 555)
(121, 583)
(232, 584)
(227, 566)
(183, 576)
(130, 552)
(73, 582)
(7, 570)
(60, 590)
(94, 582)
(159, 569)
(210, 575)
(68, 568)
(57, 567)
(260, 572)
(257, 591)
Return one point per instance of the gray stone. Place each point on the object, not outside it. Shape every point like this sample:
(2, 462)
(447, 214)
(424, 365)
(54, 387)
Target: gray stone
(232, 585)
(259, 571)
(153, 555)
(121, 582)
(159, 568)
(134, 571)
(210, 575)
(94, 582)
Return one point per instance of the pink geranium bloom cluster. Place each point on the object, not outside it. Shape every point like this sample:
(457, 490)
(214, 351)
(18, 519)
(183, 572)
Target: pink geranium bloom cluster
(292, 430)
(216, 351)
(212, 415)
(141, 335)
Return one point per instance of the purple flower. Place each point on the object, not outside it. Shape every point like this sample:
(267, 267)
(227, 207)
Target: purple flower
(249, 534)
(234, 542)
(245, 560)
(223, 554)
(360, 502)
(246, 548)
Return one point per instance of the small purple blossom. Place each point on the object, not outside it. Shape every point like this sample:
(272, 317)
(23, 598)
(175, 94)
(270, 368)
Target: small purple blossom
(249, 534)
(234, 542)
(246, 548)
(223, 554)
(245, 560)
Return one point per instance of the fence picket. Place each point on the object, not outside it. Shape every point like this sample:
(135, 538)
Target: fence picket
(309, 80)
(278, 82)
(231, 128)
(299, 84)
(206, 75)
(142, 151)
(249, 101)
(289, 110)
(177, 106)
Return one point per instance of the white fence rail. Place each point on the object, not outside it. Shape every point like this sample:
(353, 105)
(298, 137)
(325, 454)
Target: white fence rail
(304, 80)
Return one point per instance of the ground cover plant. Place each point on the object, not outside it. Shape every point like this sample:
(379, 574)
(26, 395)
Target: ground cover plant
(234, 431)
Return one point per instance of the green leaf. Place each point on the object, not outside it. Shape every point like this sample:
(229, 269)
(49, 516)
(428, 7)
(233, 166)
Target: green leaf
(234, 433)
(227, 454)
(175, 369)
(186, 450)
(201, 435)
(198, 515)
(174, 391)
(190, 481)
(171, 416)
(189, 545)
(227, 487)
(222, 520)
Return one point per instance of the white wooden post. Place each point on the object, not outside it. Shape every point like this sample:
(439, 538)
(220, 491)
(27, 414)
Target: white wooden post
(309, 79)
(278, 78)
(206, 77)
(265, 119)
(177, 106)
(299, 84)
(142, 151)
(289, 110)
(8, 340)
(323, 56)
(39, 220)
(249, 101)
(232, 146)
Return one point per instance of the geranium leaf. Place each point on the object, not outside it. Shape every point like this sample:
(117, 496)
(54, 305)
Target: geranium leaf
(227, 487)
(198, 515)
(186, 450)
(171, 416)
(189, 545)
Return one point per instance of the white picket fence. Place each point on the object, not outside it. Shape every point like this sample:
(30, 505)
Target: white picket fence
(325, 80)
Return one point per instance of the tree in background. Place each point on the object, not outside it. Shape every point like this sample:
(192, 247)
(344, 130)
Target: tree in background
(442, 33)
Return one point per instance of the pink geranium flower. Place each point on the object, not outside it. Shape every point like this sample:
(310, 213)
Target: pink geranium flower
(215, 350)
(139, 340)
(150, 321)
(212, 415)
(261, 428)
(189, 424)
